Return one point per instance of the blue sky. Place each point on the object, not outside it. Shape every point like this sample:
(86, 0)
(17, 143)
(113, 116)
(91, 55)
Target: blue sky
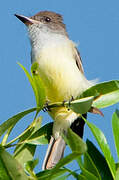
(94, 25)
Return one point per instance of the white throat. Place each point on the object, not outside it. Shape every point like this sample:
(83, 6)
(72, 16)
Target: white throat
(43, 37)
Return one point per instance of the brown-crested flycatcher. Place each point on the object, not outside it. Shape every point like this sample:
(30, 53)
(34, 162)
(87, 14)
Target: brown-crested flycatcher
(62, 73)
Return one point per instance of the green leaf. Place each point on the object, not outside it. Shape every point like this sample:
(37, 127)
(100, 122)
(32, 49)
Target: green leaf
(73, 173)
(117, 172)
(61, 178)
(41, 136)
(90, 166)
(3, 171)
(5, 138)
(117, 166)
(102, 88)
(36, 83)
(82, 177)
(40, 93)
(107, 100)
(115, 127)
(25, 152)
(88, 175)
(64, 161)
(47, 174)
(107, 94)
(29, 166)
(44, 175)
(14, 169)
(75, 142)
(13, 120)
(78, 145)
(81, 105)
(30, 79)
(99, 161)
(99, 136)
(85, 173)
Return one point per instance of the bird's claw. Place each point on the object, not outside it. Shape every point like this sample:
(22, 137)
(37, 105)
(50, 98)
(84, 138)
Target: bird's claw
(46, 107)
(72, 99)
(63, 103)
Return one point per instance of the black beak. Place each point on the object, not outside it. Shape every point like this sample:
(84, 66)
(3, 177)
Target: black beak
(27, 21)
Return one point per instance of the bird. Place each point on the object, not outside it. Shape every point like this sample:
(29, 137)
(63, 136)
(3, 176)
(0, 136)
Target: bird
(61, 70)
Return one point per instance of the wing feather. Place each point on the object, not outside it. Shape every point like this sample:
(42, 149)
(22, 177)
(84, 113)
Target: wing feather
(78, 60)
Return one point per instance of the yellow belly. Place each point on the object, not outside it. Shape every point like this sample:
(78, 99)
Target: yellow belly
(60, 74)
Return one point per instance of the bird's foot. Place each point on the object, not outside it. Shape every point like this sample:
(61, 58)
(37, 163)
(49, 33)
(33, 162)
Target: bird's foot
(63, 103)
(46, 107)
(72, 99)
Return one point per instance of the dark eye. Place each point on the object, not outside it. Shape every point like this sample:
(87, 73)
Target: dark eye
(47, 19)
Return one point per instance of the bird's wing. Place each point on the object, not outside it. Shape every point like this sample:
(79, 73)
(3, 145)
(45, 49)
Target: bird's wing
(78, 60)
(78, 125)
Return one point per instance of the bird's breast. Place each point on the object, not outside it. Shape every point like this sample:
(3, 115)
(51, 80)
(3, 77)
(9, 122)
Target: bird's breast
(60, 73)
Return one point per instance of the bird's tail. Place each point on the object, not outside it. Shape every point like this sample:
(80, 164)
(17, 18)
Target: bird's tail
(54, 153)
(56, 147)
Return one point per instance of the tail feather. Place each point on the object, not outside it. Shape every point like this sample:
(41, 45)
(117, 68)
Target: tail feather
(54, 153)
(56, 147)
